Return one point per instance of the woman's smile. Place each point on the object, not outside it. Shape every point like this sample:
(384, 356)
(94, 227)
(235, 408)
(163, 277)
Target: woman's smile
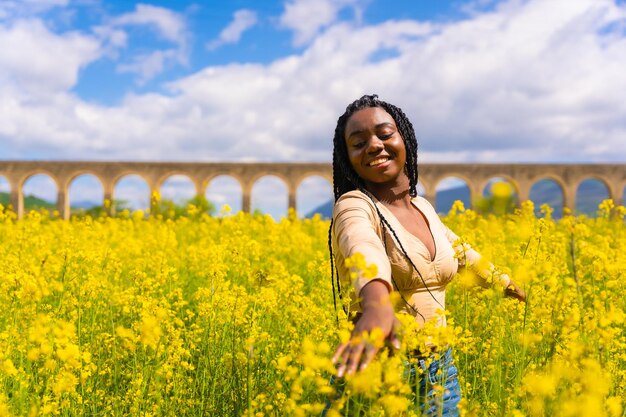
(378, 162)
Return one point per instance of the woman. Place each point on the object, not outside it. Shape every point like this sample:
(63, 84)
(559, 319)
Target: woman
(378, 214)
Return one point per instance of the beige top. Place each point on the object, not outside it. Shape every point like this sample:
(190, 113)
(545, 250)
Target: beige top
(357, 228)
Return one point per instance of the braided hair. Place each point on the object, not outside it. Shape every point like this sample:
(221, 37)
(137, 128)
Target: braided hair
(345, 179)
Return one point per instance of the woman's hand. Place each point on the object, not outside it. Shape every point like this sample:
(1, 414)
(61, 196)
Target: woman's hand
(377, 313)
(514, 291)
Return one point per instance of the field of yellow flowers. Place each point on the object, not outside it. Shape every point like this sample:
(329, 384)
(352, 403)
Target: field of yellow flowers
(233, 316)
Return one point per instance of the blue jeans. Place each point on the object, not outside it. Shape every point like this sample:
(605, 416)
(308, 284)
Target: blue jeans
(441, 373)
(429, 401)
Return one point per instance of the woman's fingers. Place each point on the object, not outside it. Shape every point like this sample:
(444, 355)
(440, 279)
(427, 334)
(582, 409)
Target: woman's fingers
(369, 354)
(355, 358)
(342, 357)
(340, 349)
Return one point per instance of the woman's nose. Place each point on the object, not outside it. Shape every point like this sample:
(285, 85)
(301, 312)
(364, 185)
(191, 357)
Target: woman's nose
(375, 144)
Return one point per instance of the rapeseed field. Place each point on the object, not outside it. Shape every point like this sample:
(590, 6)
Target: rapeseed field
(233, 316)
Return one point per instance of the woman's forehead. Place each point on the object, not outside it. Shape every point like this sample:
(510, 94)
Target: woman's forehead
(367, 118)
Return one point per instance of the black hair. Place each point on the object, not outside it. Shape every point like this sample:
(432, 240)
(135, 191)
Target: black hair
(345, 179)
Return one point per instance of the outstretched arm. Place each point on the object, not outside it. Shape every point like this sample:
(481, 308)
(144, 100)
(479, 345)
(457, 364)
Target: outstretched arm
(377, 313)
(355, 232)
(487, 272)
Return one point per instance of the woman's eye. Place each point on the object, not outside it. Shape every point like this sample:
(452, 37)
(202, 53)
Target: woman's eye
(385, 136)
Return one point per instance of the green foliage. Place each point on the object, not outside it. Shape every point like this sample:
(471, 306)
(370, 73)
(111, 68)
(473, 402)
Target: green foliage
(30, 202)
(99, 211)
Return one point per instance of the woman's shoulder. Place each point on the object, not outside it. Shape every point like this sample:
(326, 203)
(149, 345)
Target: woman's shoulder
(354, 199)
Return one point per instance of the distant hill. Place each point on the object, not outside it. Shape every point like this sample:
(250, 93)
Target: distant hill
(85, 204)
(590, 194)
(30, 202)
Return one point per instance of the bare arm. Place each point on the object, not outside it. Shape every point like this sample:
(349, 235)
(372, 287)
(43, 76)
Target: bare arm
(377, 312)
(469, 258)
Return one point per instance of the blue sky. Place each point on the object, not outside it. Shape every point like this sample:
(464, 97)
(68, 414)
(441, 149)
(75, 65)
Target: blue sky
(482, 80)
(261, 40)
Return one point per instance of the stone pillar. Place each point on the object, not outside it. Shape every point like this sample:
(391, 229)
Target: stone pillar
(246, 191)
(200, 186)
(17, 199)
(523, 191)
(569, 196)
(63, 202)
(292, 196)
(154, 185)
(108, 188)
(475, 193)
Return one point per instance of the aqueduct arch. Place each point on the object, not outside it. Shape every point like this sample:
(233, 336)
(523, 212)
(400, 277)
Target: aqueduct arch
(522, 176)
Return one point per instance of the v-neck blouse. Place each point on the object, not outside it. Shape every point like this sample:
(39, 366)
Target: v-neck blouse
(357, 229)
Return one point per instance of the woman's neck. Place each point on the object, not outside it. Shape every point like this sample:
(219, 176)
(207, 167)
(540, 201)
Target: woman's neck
(394, 195)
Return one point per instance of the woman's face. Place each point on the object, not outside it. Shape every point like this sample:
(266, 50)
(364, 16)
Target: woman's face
(375, 147)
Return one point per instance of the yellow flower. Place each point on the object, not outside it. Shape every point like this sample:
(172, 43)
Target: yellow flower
(150, 331)
(7, 366)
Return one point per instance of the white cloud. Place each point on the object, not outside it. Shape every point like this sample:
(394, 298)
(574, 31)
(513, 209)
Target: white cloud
(529, 81)
(307, 17)
(29, 59)
(171, 26)
(242, 20)
(111, 37)
(147, 66)
(178, 188)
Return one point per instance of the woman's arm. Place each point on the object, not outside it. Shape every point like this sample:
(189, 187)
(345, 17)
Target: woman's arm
(377, 313)
(487, 272)
(354, 231)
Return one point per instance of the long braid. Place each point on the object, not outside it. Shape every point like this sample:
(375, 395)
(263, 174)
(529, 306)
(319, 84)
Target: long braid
(334, 273)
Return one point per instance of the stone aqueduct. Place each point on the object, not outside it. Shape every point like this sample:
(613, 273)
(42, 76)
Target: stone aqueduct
(476, 176)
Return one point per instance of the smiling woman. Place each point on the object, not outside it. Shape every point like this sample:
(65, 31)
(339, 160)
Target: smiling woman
(378, 215)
